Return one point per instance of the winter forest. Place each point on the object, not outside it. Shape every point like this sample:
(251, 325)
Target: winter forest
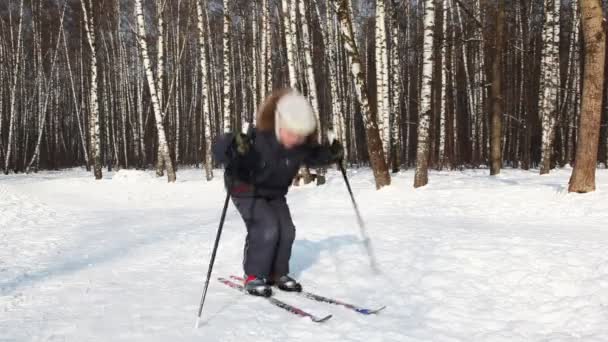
(439, 84)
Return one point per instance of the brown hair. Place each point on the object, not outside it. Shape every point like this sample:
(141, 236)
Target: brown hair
(265, 117)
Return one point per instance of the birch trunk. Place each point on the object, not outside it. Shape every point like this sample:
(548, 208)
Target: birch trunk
(374, 143)
(266, 44)
(290, 38)
(423, 148)
(94, 129)
(395, 88)
(160, 77)
(226, 72)
(443, 102)
(13, 98)
(162, 139)
(331, 39)
(550, 82)
(204, 91)
(382, 76)
(255, 81)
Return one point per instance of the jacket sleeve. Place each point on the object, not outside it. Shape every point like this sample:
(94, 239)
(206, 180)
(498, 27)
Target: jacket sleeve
(318, 155)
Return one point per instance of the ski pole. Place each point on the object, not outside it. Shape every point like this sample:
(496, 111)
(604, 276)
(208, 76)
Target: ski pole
(362, 230)
(217, 242)
(331, 137)
(248, 130)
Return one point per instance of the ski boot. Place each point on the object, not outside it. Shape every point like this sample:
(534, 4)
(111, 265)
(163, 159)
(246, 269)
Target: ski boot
(257, 286)
(287, 283)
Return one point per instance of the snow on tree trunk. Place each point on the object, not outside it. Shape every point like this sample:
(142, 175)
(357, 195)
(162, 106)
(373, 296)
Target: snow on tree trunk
(550, 82)
(382, 76)
(162, 139)
(423, 148)
(204, 91)
(94, 129)
(583, 174)
(374, 143)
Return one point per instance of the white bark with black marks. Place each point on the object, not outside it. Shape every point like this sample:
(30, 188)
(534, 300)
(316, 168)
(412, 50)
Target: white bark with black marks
(202, 47)
(550, 82)
(226, 72)
(374, 143)
(162, 138)
(382, 77)
(423, 148)
(94, 128)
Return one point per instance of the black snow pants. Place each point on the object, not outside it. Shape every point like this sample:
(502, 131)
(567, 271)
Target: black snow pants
(270, 235)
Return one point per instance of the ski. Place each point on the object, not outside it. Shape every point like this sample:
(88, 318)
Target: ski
(288, 307)
(327, 300)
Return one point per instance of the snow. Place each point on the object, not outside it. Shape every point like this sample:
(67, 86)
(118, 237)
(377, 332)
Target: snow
(467, 258)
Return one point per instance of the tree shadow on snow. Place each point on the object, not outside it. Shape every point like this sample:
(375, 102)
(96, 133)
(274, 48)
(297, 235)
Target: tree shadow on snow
(91, 252)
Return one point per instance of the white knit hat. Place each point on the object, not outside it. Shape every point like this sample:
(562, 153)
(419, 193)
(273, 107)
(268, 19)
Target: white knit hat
(294, 113)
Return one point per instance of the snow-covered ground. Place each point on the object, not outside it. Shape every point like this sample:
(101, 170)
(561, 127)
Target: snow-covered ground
(468, 258)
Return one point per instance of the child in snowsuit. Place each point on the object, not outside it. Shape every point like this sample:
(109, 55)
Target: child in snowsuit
(260, 167)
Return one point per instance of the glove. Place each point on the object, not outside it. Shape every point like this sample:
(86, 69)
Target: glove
(336, 151)
(242, 144)
(242, 158)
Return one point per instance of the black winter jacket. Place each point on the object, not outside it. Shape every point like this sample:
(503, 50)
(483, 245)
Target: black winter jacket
(268, 169)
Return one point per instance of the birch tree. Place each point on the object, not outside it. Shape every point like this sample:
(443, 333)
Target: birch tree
(395, 87)
(13, 97)
(160, 76)
(374, 143)
(443, 101)
(382, 75)
(226, 70)
(266, 65)
(331, 41)
(204, 91)
(290, 38)
(550, 81)
(423, 148)
(310, 71)
(94, 129)
(162, 139)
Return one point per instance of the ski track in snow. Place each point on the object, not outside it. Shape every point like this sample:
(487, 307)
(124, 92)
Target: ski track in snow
(468, 258)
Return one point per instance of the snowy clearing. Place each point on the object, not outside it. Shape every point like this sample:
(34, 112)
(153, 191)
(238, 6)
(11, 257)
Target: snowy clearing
(468, 258)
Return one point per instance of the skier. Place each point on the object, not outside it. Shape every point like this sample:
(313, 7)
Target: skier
(260, 167)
